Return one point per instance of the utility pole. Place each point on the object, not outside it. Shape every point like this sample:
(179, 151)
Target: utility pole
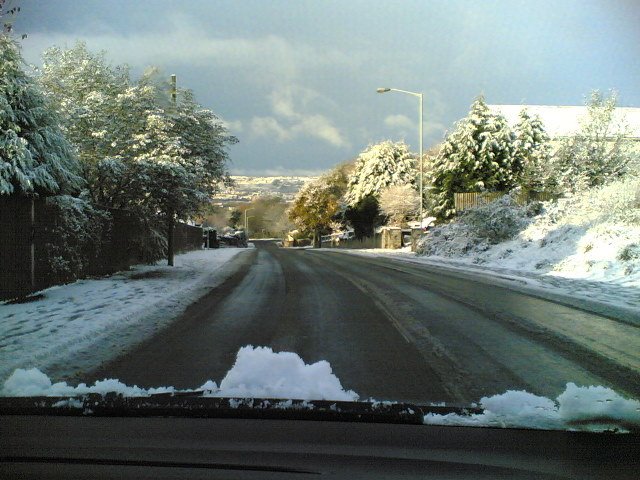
(170, 212)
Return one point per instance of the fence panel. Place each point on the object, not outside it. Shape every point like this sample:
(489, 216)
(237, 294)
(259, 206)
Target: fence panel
(466, 200)
(16, 255)
(187, 237)
(24, 263)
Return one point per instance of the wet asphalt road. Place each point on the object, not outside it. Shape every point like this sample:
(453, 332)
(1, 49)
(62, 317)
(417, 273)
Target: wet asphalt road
(391, 330)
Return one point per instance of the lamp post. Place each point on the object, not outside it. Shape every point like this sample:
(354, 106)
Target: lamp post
(419, 95)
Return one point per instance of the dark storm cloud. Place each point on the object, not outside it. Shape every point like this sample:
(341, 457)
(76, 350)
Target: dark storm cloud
(296, 80)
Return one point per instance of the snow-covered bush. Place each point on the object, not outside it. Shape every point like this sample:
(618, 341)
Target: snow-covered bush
(75, 237)
(497, 221)
(476, 229)
(380, 166)
(593, 234)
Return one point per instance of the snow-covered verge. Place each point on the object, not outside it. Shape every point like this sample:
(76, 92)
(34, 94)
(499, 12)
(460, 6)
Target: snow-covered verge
(261, 373)
(74, 327)
(593, 236)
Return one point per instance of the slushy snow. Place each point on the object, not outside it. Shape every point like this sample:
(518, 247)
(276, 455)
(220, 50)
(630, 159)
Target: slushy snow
(262, 373)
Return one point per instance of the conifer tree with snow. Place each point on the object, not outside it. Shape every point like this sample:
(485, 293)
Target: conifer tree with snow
(35, 157)
(380, 166)
(479, 155)
(534, 151)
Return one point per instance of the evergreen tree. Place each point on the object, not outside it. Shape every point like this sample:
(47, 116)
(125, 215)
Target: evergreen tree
(478, 156)
(534, 152)
(35, 157)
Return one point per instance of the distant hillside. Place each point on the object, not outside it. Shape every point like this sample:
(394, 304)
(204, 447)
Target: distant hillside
(246, 188)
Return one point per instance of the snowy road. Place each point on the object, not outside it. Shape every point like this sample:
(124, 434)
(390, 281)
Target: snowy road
(391, 330)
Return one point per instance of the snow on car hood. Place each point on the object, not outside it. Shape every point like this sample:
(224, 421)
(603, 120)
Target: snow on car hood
(259, 372)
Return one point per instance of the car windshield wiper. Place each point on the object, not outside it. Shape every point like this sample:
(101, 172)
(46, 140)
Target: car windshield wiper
(198, 405)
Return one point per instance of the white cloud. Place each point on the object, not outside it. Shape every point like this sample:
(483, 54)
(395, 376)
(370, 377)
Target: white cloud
(401, 122)
(269, 127)
(320, 127)
(268, 58)
(291, 106)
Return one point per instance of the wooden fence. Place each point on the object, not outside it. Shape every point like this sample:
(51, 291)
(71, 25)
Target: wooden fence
(24, 266)
(466, 200)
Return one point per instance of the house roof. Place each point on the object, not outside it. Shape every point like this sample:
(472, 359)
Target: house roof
(562, 121)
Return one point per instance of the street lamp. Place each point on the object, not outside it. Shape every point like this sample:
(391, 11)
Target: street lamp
(419, 95)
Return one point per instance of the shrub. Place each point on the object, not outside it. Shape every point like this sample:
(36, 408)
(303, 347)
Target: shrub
(75, 237)
(497, 221)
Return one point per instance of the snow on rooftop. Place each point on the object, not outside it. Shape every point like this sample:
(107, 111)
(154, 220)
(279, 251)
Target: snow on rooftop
(562, 121)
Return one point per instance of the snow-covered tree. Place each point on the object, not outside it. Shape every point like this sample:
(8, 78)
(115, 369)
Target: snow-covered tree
(380, 166)
(399, 202)
(534, 150)
(317, 204)
(479, 155)
(599, 152)
(139, 151)
(35, 157)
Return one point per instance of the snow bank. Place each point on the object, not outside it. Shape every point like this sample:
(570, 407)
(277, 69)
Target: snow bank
(257, 373)
(577, 408)
(75, 327)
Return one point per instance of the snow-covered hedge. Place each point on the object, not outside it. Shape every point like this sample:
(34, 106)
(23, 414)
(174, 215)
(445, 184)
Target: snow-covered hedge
(75, 237)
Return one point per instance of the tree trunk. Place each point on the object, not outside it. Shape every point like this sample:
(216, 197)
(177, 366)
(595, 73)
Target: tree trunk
(170, 228)
(317, 240)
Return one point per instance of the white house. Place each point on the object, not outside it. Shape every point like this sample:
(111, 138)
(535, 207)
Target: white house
(564, 121)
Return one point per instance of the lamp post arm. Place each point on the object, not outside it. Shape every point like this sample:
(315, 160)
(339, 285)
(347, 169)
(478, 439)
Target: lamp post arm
(415, 94)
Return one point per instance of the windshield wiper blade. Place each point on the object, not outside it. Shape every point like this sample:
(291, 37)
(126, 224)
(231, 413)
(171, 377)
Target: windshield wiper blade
(197, 405)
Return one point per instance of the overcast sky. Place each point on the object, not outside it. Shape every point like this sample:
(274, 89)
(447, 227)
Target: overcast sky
(295, 80)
